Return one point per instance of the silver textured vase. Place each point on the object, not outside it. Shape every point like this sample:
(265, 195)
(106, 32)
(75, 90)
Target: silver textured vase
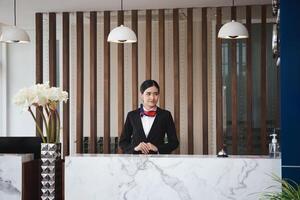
(50, 153)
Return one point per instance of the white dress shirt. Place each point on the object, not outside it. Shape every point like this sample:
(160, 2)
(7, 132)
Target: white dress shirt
(147, 124)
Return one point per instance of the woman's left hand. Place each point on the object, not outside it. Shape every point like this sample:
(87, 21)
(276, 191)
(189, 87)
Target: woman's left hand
(152, 147)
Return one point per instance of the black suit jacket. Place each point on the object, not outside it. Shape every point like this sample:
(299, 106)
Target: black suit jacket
(133, 132)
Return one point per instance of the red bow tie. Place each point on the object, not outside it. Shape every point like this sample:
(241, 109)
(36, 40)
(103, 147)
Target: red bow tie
(150, 113)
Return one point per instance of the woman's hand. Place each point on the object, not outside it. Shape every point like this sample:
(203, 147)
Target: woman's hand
(152, 147)
(143, 147)
(146, 147)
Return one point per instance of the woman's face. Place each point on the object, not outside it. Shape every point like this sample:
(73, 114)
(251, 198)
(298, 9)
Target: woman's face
(150, 97)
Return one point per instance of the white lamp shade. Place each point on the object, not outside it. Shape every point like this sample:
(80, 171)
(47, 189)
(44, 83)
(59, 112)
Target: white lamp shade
(14, 35)
(122, 34)
(233, 30)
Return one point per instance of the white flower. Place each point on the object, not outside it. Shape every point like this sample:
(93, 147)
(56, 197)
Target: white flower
(47, 97)
(53, 94)
(41, 92)
(57, 94)
(25, 98)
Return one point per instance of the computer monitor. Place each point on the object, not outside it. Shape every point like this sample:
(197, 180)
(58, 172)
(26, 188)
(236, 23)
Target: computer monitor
(21, 145)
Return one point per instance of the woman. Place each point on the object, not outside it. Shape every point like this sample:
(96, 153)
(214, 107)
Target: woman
(145, 128)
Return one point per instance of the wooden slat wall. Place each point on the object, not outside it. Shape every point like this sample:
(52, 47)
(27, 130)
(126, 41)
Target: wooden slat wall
(161, 22)
(234, 102)
(79, 95)
(204, 82)
(134, 52)
(148, 71)
(219, 84)
(66, 83)
(249, 83)
(39, 60)
(263, 83)
(120, 78)
(190, 80)
(93, 82)
(176, 73)
(52, 49)
(106, 136)
(148, 44)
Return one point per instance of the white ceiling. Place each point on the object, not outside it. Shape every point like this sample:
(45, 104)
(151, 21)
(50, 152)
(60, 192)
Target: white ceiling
(100, 5)
(27, 8)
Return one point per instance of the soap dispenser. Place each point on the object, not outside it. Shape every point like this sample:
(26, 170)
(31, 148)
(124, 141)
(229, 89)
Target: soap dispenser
(274, 146)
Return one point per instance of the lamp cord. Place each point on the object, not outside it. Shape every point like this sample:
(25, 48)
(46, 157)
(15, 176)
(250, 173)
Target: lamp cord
(232, 3)
(15, 17)
(122, 5)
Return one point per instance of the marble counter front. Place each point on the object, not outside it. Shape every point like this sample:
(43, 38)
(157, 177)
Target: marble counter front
(174, 177)
(11, 175)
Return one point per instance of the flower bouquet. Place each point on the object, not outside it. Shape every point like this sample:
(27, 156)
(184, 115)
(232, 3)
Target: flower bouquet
(45, 100)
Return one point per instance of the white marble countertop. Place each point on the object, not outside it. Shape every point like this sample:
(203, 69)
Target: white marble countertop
(164, 177)
(11, 175)
(174, 156)
(24, 157)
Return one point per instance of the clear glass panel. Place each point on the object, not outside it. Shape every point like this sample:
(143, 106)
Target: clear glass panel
(226, 74)
(242, 96)
(256, 80)
(272, 82)
(272, 89)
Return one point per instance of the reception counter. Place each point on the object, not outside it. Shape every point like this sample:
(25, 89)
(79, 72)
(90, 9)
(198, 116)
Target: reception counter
(11, 176)
(158, 177)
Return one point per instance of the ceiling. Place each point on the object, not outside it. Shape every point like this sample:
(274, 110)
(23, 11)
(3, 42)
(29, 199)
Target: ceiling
(99, 5)
(27, 8)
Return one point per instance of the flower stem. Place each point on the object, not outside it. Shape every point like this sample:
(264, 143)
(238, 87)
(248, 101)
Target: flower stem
(58, 126)
(44, 120)
(52, 126)
(37, 126)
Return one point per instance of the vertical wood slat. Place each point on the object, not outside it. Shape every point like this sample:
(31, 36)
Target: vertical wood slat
(93, 83)
(249, 83)
(120, 73)
(176, 74)
(106, 136)
(134, 54)
(39, 60)
(190, 80)
(204, 82)
(52, 49)
(148, 43)
(263, 82)
(79, 95)
(66, 83)
(234, 105)
(161, 24)
(52, 59)
(219, 83)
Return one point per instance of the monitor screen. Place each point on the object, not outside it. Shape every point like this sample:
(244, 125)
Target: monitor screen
(21, 145)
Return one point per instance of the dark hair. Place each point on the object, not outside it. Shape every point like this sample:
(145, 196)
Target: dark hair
(148, 83)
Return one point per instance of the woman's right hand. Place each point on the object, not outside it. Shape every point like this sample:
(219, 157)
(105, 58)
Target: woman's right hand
(143, 147)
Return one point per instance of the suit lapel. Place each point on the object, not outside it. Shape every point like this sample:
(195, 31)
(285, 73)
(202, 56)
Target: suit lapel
(139, 124)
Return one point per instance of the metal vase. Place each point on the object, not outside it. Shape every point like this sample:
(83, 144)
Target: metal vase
(50, 153)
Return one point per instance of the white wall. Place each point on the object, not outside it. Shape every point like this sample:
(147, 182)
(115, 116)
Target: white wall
(20, 73)
(17, 68)
(2, 90)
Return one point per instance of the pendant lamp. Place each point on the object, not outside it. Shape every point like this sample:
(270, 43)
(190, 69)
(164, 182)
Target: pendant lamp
(233, 30)
(14, 34)
(122, 34)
